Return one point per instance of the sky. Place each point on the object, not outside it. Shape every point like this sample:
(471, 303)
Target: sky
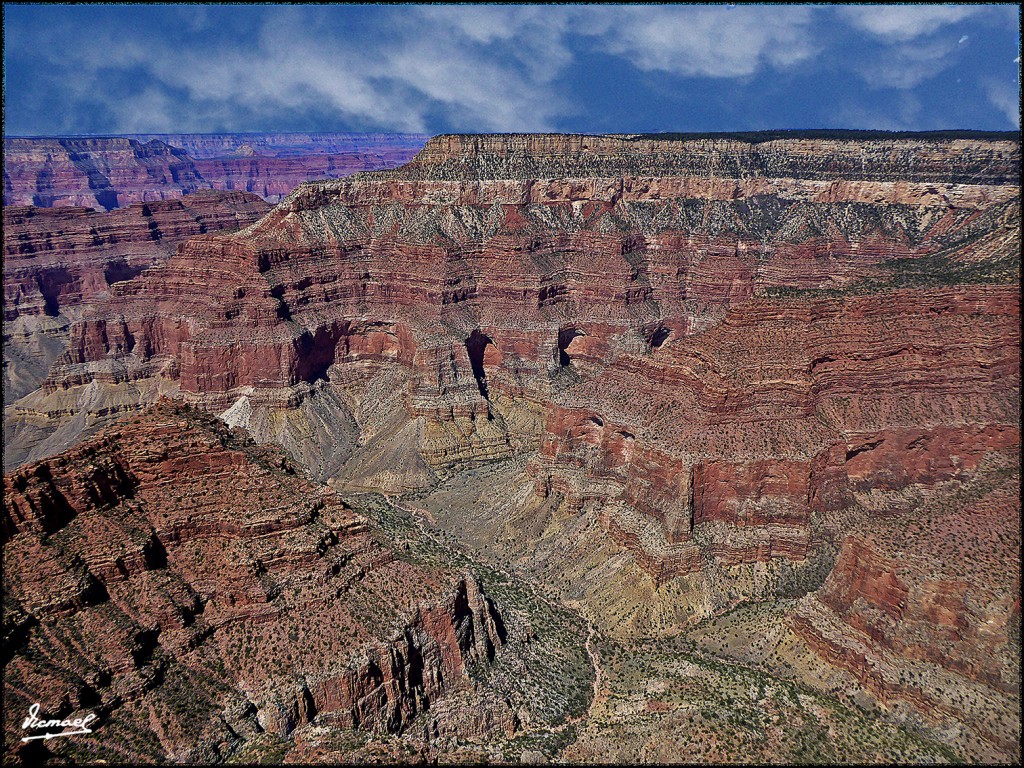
(109, 69)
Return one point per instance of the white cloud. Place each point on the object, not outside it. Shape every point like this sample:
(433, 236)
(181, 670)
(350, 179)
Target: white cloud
(704, 41)
(484, 67)
(489, 67)
(904, 22)
(907, 65)
(1006, 98)
(300, 62)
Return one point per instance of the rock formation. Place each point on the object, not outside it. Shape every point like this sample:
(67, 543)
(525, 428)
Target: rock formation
(923, 608)
(663, 375)
(58, 261)
(194, 590)
(392, 148)
(706, 320)
(95, 172)
(57, 258)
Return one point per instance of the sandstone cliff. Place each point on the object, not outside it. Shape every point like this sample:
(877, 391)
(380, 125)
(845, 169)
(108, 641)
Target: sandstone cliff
(58, 261)
(662, 375)
(194, 590)
(711, 317)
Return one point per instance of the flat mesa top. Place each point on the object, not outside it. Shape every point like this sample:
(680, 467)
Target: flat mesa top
(756, 137)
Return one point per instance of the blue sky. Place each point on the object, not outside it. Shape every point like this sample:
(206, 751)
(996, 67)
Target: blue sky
(477, 68)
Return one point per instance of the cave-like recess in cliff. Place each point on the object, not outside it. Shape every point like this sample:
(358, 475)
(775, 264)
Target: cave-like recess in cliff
(565, 338)
(659, 336)
(476, 344)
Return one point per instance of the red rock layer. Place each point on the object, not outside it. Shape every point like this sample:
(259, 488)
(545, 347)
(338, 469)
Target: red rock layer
(743, 313)
(62, 257)
(707, 409)
(191, 589)
(113, 172)
(101, 173)
(920, 604)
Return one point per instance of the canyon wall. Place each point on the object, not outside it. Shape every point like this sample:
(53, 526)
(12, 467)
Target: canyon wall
(695, 348)
(707, 371)
(194, 590)
(59, 260)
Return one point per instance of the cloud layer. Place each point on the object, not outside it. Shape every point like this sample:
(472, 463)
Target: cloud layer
(122, 69)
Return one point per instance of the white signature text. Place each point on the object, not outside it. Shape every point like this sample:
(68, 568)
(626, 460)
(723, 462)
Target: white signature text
(80, 724)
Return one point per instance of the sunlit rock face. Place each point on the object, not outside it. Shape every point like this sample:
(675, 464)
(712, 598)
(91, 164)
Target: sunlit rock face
(701, 341)
(663, 376)
(170, 565)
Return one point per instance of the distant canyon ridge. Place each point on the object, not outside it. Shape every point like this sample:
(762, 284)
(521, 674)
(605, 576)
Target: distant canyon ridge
(108, 172)
(626, 449)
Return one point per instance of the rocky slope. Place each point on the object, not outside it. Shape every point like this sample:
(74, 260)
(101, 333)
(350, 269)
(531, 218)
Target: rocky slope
(924, 608)
(194, 591)
(112, 172)
(502, 305)
(662, 376)
(94, 172)
(58, 258)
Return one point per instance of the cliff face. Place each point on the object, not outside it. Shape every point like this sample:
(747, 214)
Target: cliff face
(57, 261)
(56, 258)
(201, 146)
(924, 608)
(113, 172)
(734, 329)
(101, 173)
(535, 156)
(194, 590)
(662, 376)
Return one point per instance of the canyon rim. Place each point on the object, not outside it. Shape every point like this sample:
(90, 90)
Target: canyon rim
(576, 447)
(515, 445)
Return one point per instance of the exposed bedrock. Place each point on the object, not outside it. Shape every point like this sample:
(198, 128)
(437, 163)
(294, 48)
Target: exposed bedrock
(95, 172)
(660, 377)
(58, 257)
(57, 261)
(703, 336)
(924, 608)
(113, 172)
(170, 565)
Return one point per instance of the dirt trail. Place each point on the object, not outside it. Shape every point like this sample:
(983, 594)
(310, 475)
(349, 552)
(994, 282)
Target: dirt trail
(595, 661)
(577, 607)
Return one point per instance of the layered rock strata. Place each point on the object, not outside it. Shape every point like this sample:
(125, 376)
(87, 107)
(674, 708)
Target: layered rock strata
(924, 607)
(59, 258)
(702, 347)
(194, 590)
(398, 147)
(95, 172)
(710, 369)
(58, 261)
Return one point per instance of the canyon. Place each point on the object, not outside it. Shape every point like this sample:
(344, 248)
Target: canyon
(745, 408)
